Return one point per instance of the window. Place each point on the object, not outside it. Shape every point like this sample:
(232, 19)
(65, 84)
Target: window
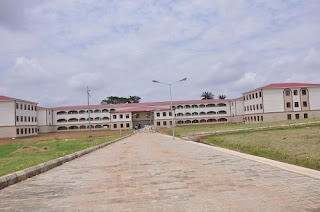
(49, 112)
(32, 119)
(253, 96)
(258, 118)
(29, 119)
(32, 130)
(25, 107)
(297, 116)
(158, 123)
(250, 107)
(25, 119)
(287, 92)
(244, 108)
(305, 104)
(25, 131)
(260, 94)
(29, 130)
(289, 116)
(304, 92)
(114, 125)
(255, 119)
(254, 107)
(261, 106)
(170, 122)
(296, 104)
(261, 118)
(18, 131)
(256, 95)
(121, 116)
(35, 119)
(128, 125)
(247, 108)
(137, 116)
(295, 92)
(21, 130)
(17, 106)
(17, 118)
(114, 116)
(249, 96)
(170, 114)
(164, 114)
(21, 118)
(288, 104)
(121, 125)
(165, 123)
(305, 115)
(21, 107)
(158, 114)
(127, 116)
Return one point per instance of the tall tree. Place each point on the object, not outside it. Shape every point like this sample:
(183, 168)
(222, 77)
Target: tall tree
(120, 100)
(207, 95)
(222, 96)
(134, 99)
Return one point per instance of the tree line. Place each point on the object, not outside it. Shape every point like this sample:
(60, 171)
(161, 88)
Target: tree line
(137, 99)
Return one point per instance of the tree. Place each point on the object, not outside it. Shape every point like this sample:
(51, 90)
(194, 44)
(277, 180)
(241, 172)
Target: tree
(134, 99)
(120, 100)
(207, 95)
(222, 96)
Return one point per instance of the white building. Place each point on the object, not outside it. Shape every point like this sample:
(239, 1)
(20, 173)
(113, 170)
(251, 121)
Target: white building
(274, 102)
(17, 117)
(282, 101)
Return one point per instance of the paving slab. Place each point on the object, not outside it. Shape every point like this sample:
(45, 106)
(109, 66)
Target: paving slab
(152, 172)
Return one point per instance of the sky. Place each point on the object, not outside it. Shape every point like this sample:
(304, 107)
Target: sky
(51, 50)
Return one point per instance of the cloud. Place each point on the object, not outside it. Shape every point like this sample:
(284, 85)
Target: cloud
(52, 50)
(28, 71)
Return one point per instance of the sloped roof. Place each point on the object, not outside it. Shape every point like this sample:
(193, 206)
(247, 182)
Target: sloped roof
(7, 98)
(143, 104)
(284, 85)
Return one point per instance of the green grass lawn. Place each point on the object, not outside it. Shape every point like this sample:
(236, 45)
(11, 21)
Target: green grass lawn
(296, 145)
(188, 129)
(19, 156)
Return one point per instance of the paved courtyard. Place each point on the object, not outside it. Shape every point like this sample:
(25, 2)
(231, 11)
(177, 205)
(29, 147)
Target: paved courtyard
(152, 172)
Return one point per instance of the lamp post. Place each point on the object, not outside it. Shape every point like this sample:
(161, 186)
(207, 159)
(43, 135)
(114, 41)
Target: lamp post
(172, 114)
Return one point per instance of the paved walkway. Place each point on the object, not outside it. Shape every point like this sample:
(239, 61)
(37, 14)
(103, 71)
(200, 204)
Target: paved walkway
(152, 172)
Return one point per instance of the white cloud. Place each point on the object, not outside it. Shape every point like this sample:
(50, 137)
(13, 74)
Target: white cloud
(118, 47)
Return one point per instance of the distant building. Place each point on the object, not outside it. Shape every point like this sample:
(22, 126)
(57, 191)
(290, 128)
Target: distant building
(274, 102)
(282, 101)
(17, 117)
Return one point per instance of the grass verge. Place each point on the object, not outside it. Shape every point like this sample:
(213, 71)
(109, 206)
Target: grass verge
(188, 129)
(19, 156)
(295, 145)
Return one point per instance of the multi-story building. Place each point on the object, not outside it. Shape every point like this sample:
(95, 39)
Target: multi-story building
(274, 102)
(17, 117)
(282, 101)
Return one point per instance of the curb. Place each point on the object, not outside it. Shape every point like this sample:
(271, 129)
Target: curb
(19, 176)
(196, 136)
(278, 164)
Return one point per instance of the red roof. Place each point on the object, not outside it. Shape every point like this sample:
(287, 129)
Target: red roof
(7, 98)
(139, 109)
(285, 85)
(144, 104)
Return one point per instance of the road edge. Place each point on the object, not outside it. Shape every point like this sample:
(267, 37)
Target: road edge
(21, 175)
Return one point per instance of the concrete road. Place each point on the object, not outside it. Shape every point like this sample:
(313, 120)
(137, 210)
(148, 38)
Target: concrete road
(152, 172)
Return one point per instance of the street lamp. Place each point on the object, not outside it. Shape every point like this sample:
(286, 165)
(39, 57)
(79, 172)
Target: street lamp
(172, 114)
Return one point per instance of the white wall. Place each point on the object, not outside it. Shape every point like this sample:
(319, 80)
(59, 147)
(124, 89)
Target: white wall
(7, 111)
(314, 97)
(273, 100)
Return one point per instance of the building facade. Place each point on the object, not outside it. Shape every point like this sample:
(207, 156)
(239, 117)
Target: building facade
(274, 102)
(282, 101)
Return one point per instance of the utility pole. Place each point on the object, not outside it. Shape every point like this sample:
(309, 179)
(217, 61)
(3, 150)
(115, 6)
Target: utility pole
(88, 95)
